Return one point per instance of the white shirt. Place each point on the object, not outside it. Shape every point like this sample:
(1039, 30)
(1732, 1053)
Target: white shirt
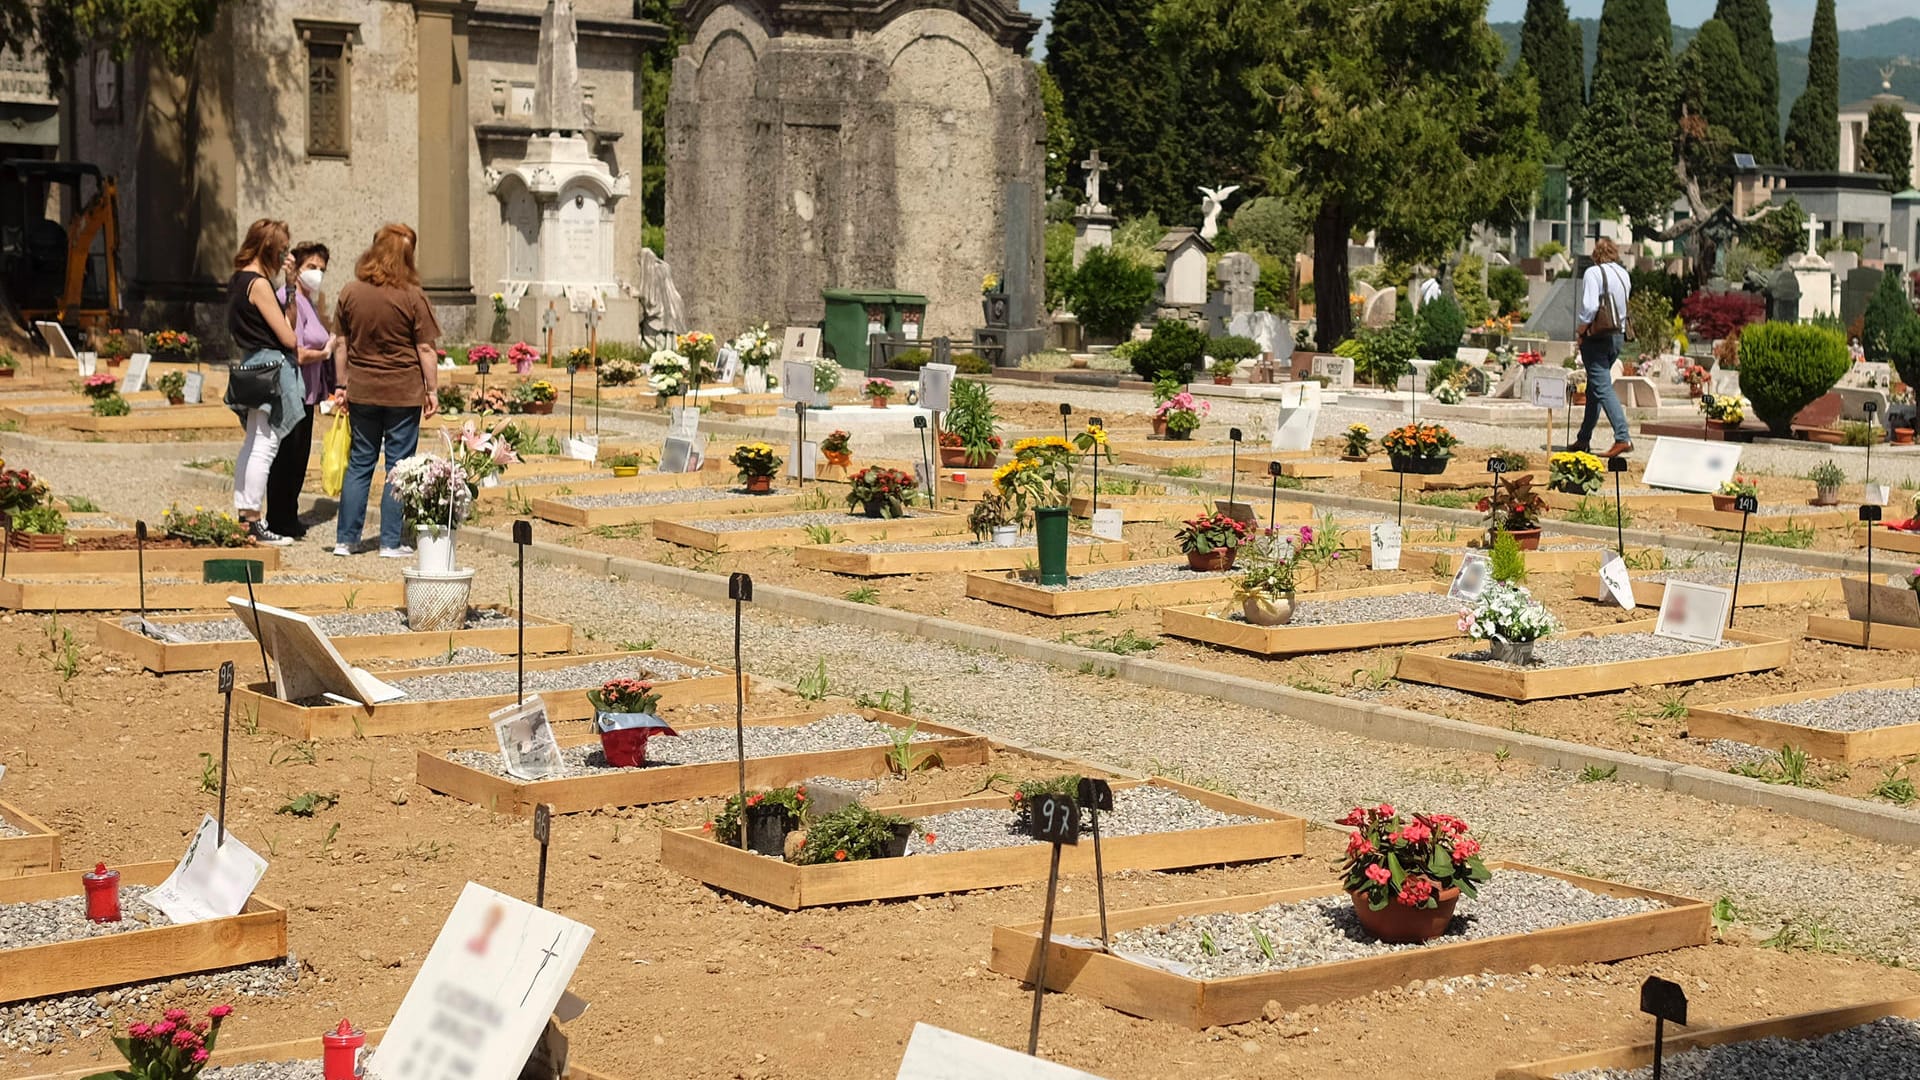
(1618, 286)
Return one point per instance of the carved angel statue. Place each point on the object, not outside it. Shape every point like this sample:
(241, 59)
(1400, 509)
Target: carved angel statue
(1211, 202)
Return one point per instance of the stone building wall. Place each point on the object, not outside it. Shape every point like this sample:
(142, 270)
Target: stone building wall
(807, 149)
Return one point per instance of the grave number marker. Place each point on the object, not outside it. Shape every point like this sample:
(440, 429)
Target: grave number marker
(740, 591)
(542, 834)
(1748, 505)
(1664, 1001)
(1056, 820)
(1053, 819)
(1095, 796)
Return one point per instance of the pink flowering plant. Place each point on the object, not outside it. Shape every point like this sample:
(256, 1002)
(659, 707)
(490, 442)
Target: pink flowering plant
(1182, 412)
(100, 386)
(522, 355)
(483, 352)
(1393, 860)
(175, 1048)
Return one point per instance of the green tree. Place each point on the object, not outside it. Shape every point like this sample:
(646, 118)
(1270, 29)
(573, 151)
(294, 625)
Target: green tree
(1108, 293)
(1272, 225)
(60, 29)
(1888, 312)
(1550, 48)
(1813, 127)
(1352, 101)
(1059, 133)
(1887, 146)
(1751, 23)
(1622, 149)
(1118, 89)
(1717, 98)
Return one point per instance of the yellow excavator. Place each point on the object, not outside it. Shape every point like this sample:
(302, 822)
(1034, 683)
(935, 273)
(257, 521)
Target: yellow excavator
(67, 274)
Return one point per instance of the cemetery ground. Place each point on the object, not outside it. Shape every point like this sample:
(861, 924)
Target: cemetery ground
(688, 981)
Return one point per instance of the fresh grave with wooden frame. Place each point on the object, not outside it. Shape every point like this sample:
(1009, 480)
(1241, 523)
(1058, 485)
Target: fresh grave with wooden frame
(955, 557)
(1084, 596)
(1171, 453)
(1157, 993)
(499, 632)
(256, 935)
(1798, 1027)
(176, 418)
(1203, 623)
(701, 501)
(1740, 653)
(1896, 617)
(28, 845)
(1791, 517)
(307, 1050)
(1555, 555)
(791, 887)
(513, 487)
(1734, 720)
(121, 592)
(406, 716)
(1886, 539)
(1635, 498)
(1650, 594)
(1323, 468)
(166, 561)
(760, 531)
(660, 783)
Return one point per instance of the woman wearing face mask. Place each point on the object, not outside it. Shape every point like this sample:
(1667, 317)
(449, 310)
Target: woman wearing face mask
(263, 388)
(315, 345)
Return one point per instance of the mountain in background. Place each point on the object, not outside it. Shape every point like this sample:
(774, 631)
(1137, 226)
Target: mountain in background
(1862, 54)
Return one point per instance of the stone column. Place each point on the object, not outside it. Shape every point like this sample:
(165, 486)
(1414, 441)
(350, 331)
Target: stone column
(441, 40)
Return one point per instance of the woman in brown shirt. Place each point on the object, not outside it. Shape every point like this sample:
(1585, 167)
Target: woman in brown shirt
(387, 375)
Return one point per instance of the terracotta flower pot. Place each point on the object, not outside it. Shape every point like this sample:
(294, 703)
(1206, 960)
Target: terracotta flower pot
(1223, 380)
(1826, 496)
(1720, 425)
(841, 458)
(1160, 427)
(1353, 457)
(6, 373)
(24, 541)
(877, 402)
(1903, 436)
(1579, 397)
(759, 485)
(953, 457)
(1398, 924)
(176, 399)
(1528, 539)
(1217, 559)
(1696, 391)
(1826, 435)
(539, 408)
(1723, 502)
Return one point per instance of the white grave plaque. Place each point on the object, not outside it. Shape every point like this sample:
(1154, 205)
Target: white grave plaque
(196, 387)
(584, 448)
(1691, 464)
(1547, 388)
(936, 387)
(1470, 355)
(801, 343)
(1876, 494)
(1691, 611)
(528, 748)
(937, 1054)
(1336, 369)
(1385, 541)
(305, 663)
(1475, 572)
(684, 422)
(213, 879)
(1107, 523)
(728, 364)
(88, 363)
(803, 459)
(1723, 382)
(135, 380)
(1614, 582)
(493, 977)
(796, 380)
(56, 339)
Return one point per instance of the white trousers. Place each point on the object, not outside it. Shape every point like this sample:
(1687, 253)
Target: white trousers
(255, 461)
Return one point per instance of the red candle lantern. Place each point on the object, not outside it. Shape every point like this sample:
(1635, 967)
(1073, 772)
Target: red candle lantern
(103, 894)
(342, 1057)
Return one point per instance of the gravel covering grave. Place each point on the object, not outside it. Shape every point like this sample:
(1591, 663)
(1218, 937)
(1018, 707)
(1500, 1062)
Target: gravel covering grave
(267, 1070)
(880, 546)
(1366, 609)
(797, 520)
(1605, 649)
(43, 1022)
(1714, 568)
(9, 829)
(1137, 811)
(845, 731)
(1130, 576)
(1324, 930)
(346, 624)
(1883, 1049)
(465, 654)
(1855, 710)
(43, 922)
(652, 498)
(464, 684)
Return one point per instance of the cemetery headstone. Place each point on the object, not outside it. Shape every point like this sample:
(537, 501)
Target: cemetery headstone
(195, 389)
(1338, 370)
(213, 879)
(305, 663)
(135, 380)
(1379, 308)
(56, 339)
(800, 343)
(1696, 465)
(1238, 273)
(1694, 612)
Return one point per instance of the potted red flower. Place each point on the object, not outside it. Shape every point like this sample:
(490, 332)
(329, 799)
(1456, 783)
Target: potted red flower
(173, 1048)
(770, 816)
(623, 715)
(1516, 508)
(1406, 876)
(1211, 541)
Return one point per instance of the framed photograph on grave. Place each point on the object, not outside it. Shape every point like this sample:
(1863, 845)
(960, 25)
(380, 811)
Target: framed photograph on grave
(936, 387)
(1384, 539)
(135, 380)
(1691, 464)
(679, 456)
(801, 343)
(1547, 387)
(684, 422)
(796, 380)
(528, 748)
(195, 389)
(1475, 573)
(803, 460)
(1694, 612)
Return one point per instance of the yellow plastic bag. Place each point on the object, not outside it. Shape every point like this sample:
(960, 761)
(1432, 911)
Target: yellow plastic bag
(333, 457)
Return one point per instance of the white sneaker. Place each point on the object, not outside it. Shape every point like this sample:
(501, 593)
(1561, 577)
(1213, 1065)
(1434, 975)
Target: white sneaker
(342, 550)
(401, 552)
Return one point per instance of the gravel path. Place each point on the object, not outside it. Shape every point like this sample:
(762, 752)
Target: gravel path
(1605, 649)
(652, 498)
(346, 624)
(1138, 811)
(1324, 930)
(1885, 1049)
(1856, 710)
(42, 922)
(465, 684)
(1134, 575)
(700, 746)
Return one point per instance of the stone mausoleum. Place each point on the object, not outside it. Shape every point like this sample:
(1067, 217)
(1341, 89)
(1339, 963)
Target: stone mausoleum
(855, 145)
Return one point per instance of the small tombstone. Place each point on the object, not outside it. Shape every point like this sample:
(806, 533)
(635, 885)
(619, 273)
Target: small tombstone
(1238, 273)
(1694, 612)
(56, 339)
(1697, 465)
(1337, 369)
(305, 663)
(1379, 310)
(800, 343)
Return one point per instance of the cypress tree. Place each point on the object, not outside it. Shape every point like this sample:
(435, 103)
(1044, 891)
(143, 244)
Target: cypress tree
(1715, 86)
(1621, 153)
(1550, 47)
(1118, 89)
(1813, 127)
(1751, 22)
(1887, 146)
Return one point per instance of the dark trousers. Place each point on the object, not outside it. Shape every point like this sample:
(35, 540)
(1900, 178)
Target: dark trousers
(287, 477)
(394, 430)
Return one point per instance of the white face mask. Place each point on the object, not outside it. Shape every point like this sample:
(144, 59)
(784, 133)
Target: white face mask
(310, 279)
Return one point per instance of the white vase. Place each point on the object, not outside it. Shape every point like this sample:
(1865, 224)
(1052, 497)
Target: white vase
(1005, 535)
(755, 379)
(433, 545)
(1263, 612)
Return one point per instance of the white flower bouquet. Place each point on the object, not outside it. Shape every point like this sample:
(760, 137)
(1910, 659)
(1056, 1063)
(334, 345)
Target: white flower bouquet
(1507, 613)
(432, 490)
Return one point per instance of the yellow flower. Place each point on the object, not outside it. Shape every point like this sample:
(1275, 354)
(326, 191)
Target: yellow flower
(1056, 441)
(1024, 445)
(1098, 433)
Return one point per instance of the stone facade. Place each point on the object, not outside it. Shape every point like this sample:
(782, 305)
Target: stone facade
(429, 94)
(868, 147)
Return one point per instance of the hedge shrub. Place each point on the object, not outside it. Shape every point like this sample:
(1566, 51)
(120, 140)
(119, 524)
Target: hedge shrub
(1904, 352)
(1233, 347)
(1440, 325)
(1887, 311)
(1108, 293)
(1174, 346)
(1507, 285)
(1785, 367)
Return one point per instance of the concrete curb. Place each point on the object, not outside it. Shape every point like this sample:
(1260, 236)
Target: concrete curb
(1883, 824)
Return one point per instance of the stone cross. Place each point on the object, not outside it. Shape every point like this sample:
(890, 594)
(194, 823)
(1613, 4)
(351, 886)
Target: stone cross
(557, 102)
(1238, 273)
(1094, 167)
(593, 316)
(549, 318)
(1813, 235)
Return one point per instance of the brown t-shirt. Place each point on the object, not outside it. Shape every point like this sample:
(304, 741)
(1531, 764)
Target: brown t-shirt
(384, 325)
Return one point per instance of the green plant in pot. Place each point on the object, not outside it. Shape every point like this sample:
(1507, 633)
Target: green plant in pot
(972, 434)
(1423, 449)
(1509, 620)
(627, 464)
(1405, 876)
(39, 528)
(770, 816)
(1211, 541)
(173, 387)
(1514, 507)
(1266, 582)
(854, 833)
(1827, 478)
(994, 518)
(7, 365)
(1733, 489)
(880, 492)
(1358, 441)
(1181, 414)
(758, 465)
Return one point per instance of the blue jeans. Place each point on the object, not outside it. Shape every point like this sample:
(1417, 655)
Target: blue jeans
(1598, 355)
(374, 426)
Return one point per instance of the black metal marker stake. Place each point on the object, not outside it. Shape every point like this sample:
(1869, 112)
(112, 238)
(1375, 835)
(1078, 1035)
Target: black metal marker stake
(1616, 466)
(1747, 505)
(1097, 795)
(226, 729)
(1664, 1001)
(1054, 819)
(926, 459)
(1870, 408)
(1066, 410)
(542, 832)
(1869, 513)
(140, 548)
(1273, 500)
(1233, 462)
(259, 637)
(522, 536)
(800, 442)
(740, 591)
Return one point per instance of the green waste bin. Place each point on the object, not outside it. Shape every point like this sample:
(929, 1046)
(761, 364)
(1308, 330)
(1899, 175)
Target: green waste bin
(221, 571)
(843, 331)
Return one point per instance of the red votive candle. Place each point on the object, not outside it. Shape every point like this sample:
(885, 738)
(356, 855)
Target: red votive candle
(342, 1054)
(103, 893)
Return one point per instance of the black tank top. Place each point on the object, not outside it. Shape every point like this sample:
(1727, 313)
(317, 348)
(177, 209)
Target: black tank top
(244, 322)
